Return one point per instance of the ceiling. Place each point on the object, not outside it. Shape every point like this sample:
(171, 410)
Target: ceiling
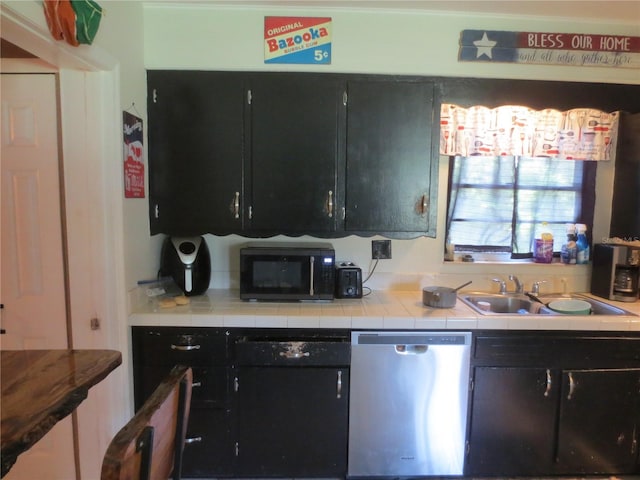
(625, 11)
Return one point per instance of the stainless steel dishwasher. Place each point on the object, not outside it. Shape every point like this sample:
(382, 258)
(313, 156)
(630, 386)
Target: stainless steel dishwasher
(408, 405)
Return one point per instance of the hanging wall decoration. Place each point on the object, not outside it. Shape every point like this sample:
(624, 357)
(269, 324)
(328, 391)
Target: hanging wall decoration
(544, 48)
(578, 134)
(75, 21)
(301, 40)
(133, 156)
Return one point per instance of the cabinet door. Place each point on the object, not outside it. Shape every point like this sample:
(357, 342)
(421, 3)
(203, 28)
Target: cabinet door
(599, 414)
(390, 174)
(292, 421)
(625, 209)
(512, 428)
(208, 450)
(294, 153)
(195, 152)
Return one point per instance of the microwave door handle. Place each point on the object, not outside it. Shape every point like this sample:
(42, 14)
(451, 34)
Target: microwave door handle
(311, 264)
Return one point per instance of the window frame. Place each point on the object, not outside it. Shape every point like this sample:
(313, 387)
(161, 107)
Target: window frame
(585, 214)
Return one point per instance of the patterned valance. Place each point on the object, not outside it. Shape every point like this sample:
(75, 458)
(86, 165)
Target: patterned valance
(578, 134)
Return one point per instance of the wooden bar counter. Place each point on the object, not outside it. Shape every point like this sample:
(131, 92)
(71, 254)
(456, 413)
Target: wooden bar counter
(40, 387)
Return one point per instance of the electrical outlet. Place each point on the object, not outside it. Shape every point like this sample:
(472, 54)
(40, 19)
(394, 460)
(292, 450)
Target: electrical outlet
(381, 249)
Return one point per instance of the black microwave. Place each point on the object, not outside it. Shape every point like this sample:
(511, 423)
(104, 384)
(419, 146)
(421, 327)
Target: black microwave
(287, 271)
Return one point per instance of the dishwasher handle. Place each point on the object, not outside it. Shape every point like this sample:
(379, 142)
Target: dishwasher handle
(405, 349)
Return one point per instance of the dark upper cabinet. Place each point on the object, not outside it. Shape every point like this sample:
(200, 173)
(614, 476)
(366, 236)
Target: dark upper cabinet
(196, 125)
(625, 209)
(390, 176)
(294, 151)
(261, 154)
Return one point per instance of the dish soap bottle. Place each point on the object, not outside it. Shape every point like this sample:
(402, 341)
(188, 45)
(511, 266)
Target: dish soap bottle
(569, 253)
(543, 246)
(583, 244)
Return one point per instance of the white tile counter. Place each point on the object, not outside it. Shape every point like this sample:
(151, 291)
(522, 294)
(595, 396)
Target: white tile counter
(379, 310)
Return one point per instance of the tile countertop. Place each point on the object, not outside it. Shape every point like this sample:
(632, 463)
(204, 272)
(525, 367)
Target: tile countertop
(379, 310)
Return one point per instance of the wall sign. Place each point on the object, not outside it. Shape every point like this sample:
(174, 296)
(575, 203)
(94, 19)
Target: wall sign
(133, 161)
(571, 49)
(297, 40)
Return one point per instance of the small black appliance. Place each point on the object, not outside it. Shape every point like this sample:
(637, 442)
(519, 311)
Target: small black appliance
(287, 271)
(348, 280)
(187, 261)
(615, 272)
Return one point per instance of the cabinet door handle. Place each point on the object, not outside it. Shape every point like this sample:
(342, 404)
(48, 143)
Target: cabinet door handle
(185, 348)
(572, 386)
(196, 384)
(339, 385)
(236, 205)
(330, 204)
(312, 272)
(188, 441)
(548, 389)
(424, 204)
(294, 354)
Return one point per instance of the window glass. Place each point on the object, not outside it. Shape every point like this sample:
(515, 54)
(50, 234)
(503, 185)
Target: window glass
(499, 203)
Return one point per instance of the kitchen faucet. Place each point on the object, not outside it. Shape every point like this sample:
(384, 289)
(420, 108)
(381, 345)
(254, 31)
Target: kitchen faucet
(535, 288)
(519, 287)
(503, 284)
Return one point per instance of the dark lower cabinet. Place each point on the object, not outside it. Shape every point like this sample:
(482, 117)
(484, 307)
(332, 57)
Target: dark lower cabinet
(512, 422)
(598, 423)
(292, 421)
(292, 397)
(265, 403)
(209, 449)
(578, 415)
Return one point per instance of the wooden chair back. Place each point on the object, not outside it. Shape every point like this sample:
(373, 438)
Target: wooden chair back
(150, 445)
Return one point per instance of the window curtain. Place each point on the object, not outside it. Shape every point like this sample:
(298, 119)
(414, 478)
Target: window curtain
(578, 134)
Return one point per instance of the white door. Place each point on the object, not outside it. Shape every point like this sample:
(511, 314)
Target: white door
(32, 286)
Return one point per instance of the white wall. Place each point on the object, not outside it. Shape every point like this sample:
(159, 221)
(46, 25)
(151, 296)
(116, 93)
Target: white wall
(389, 42)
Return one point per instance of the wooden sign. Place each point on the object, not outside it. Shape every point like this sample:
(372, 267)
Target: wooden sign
(570, 49)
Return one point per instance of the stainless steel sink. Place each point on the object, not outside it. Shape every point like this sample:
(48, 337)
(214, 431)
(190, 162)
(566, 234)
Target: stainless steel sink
(597, 307)
(518, 304)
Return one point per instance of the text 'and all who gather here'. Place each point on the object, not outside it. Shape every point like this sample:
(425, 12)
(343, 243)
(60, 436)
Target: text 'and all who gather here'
(301, 40)
(569, 49)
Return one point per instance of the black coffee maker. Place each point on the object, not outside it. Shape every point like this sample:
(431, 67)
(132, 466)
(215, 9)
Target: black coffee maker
(187, 261)
(616, 272)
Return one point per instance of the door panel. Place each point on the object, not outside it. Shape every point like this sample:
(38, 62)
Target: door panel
(292, 422)
(195, 152)
(389, 156)
(599, 421)
(33, 284)
(512, 421)
(294, 153)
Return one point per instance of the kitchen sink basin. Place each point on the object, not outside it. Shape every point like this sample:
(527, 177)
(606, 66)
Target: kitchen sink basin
(518, 304)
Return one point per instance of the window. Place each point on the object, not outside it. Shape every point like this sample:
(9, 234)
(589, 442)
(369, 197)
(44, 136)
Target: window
(496, 204)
